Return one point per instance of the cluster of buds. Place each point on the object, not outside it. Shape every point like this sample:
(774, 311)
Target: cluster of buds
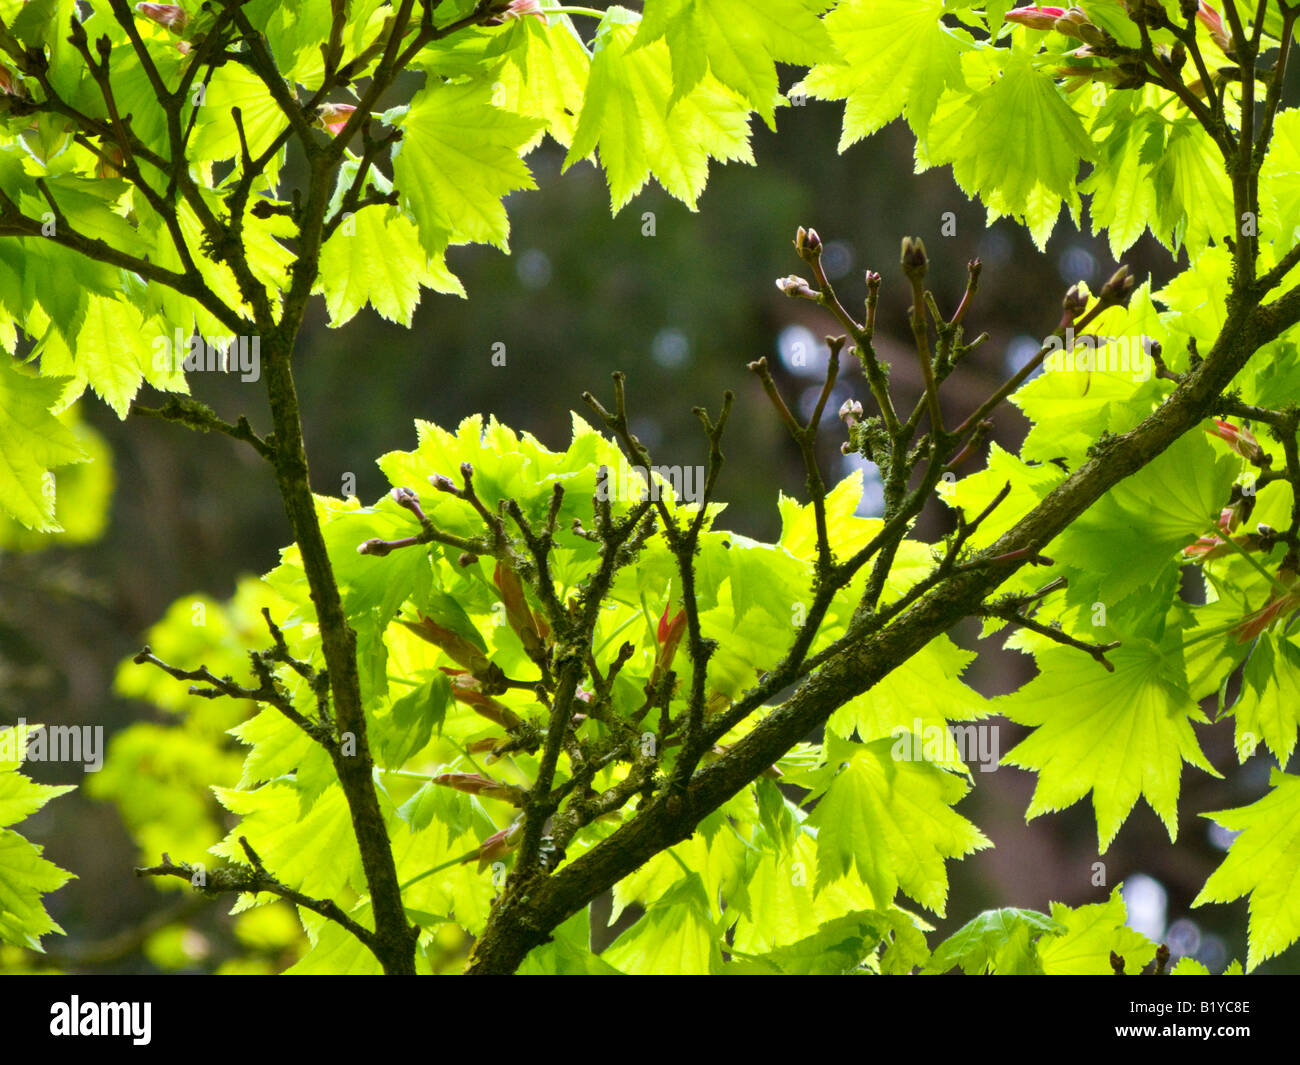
(1126, 72)
(1073, 22)
(1241, 440)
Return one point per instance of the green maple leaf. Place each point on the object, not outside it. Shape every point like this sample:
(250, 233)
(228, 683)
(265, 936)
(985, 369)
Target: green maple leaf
(739, 42)
(114, 354)
(316, 853)
(1120, 735)
(568, 953)
(1269, 705)
(1194, 195)
(545, 73)
(778, 902)
(1279, 183)
(799, 524)
(1017, 144)
(216, 137)
(1264, 863)
(1147, 519)
(920, 698)
(1091, 933)
(82, 503)
(676, 935)
(24, 875)
(336, 952)
(717, 862)
(1194, 299)
(458, 158)
(378, 260)
(1001, 941)
(839, 946)
(626, 115)
(20, 797)
(893, 821)
(1029, 484)
(1071, 408)
(1123, 194)
(32, 441)
(905, 38)
(411, 721)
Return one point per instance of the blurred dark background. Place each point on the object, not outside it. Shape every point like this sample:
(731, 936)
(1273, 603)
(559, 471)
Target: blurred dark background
(681, 312)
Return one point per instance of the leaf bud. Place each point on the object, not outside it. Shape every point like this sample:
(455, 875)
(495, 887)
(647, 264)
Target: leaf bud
(171, 16)
(1119, 288)
(333, 117)
(1076, 300)
(807, 243)
(1035, 17)
(796, 287)
(913, 258)
(1240, 439)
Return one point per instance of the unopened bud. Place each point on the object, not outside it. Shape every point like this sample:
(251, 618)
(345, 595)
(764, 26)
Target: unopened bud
(1213, 22)
(523, 8)
(807, 243)
(374, 547)
(851, 412)
(1117, 290)
(1075, 23)
(1035, 17)
(795, 287)
(477, 784)
(913, 258)
(334, 117)
(1241, 440)
(1076, 300)
(407, 499)
(172, 16)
